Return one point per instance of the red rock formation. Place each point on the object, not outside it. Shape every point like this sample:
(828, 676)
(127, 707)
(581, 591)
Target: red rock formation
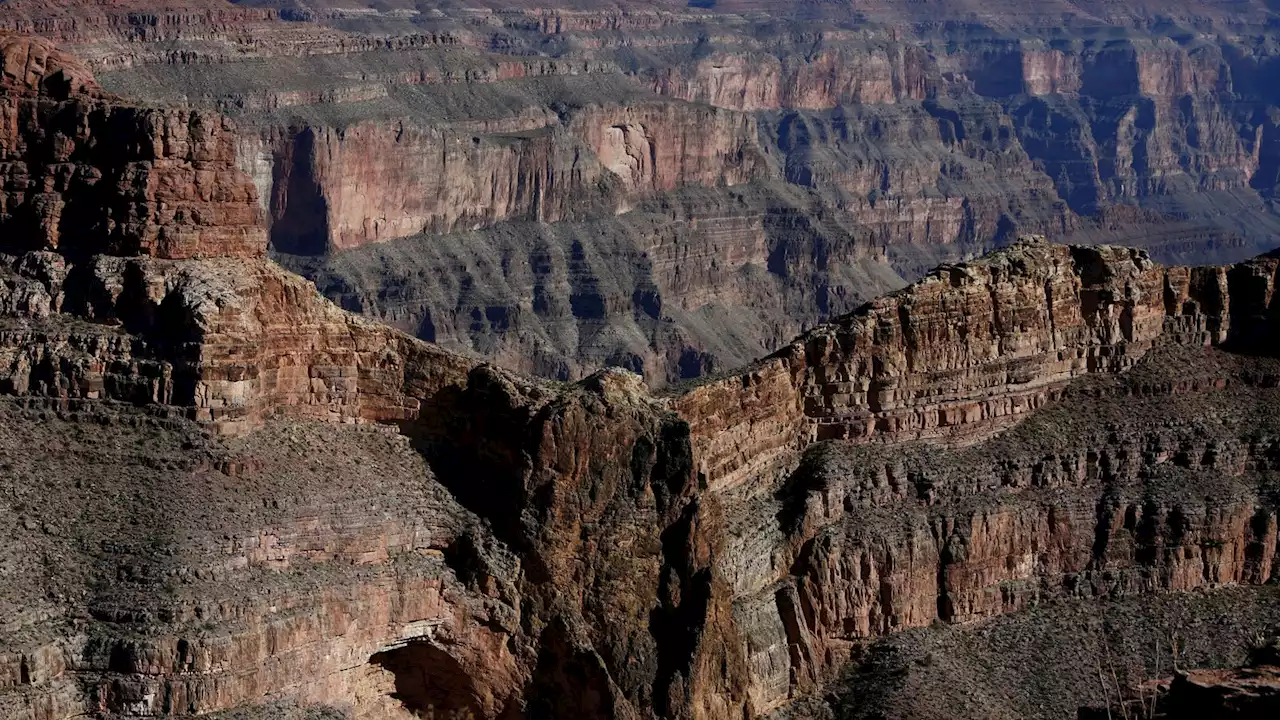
(1241, 693)
(952, 361)
(337, 189)
(34, 64)
(584, 549)
(971, 349)
(224, 341)
(659, 146)
(84, 172)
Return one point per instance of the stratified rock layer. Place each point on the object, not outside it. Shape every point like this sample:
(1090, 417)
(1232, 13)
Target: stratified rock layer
(866, 147)
(84, 172)
(971, 348)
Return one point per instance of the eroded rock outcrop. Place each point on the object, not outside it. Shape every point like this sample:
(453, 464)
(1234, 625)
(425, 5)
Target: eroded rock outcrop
(85, 172)
(972, 348)
(1251, 691)
(334, 189)
(822, 80)
(224, 340)
(921, 136)
(834, 544)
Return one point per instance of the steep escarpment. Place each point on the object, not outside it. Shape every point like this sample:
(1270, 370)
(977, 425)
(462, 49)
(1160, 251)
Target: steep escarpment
(338, 188)
(223, 340)
(230, 563)
(1134, 458)
(85, 172)
(885, 540)
(594, 488)
(253, 500)
(972, 348)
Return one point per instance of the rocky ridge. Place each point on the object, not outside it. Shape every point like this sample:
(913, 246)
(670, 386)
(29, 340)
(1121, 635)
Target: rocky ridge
(81, 166)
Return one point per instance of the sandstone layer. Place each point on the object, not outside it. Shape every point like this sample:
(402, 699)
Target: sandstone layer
(85, 172)
(596, 533)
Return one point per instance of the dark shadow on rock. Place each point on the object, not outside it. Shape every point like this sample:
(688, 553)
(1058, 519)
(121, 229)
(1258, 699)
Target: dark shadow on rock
(429, 681)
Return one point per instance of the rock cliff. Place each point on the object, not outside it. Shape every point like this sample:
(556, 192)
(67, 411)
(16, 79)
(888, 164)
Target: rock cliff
(972, 348)
(85, 169)
(333, 189)
(866, 149)
(715, 553)
(845, 527)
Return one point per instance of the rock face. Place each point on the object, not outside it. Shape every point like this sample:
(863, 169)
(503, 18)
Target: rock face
(85, 173)
(226, 341)
(880, 75)
(1248, 692)
(971, 348)
(871, 541)
(337, 189)
(34, 64)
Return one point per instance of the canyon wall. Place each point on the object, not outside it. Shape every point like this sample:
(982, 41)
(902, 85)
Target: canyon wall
(876, 542)
(1108, 480)
(359, 586)
(904, 135)
(824, 80)
(225, 341)
(332, 189)
(86, 173)
(971, 349)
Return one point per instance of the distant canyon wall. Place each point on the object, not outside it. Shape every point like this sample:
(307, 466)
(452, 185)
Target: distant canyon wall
(333, 189)
(975, 444)
(764, 533)
(914, 145)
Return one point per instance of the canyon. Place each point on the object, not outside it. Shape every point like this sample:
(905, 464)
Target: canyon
(678, 190)
(587, 398)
